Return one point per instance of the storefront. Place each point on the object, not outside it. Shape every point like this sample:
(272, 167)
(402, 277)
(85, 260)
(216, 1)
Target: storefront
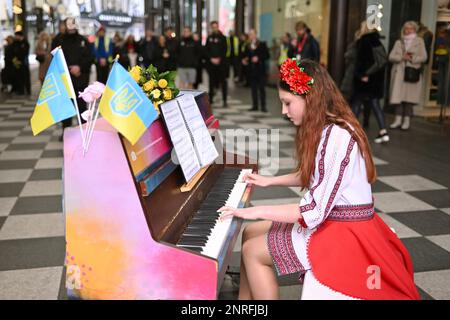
(275, 18)
(278, 17)
(6, 20)
(436, 15)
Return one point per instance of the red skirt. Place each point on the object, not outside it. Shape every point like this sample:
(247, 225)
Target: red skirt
(363, 260)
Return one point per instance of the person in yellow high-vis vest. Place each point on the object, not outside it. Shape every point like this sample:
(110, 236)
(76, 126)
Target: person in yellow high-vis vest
(243, 69)
(233, 53)
(103, 51)
(285, 47)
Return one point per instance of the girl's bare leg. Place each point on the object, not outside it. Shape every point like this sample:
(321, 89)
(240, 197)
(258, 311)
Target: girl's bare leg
(260, 275)
(252, 231)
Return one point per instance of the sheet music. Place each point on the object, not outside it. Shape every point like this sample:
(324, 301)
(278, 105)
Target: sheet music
(181, 139)
(203, 143)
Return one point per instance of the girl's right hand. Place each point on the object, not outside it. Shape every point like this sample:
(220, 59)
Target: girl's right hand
(257, 180)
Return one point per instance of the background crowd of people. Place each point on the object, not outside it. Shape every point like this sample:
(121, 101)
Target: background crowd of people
(245, 56)
(364, 81)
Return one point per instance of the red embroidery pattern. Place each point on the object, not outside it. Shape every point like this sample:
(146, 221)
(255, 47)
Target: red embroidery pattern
(352, 213)
(281, 248)
(312, 205)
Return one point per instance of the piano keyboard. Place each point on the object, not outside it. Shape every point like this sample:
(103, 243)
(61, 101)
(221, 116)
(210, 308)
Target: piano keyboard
(206, 234)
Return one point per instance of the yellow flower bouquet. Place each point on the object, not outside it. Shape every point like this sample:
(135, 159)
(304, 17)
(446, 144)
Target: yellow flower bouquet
(158, 87)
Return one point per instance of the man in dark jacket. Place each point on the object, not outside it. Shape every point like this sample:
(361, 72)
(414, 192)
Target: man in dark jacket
(58, 38)
(200, 61)
(305, 46)
(147, 48)
(79, 60)
(20, 50)
(189, 57)
(171, 41)
(216, 53)
(257, 54)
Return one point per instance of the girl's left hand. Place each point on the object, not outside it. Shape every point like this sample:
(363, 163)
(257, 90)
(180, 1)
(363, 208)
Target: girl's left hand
(246, 214)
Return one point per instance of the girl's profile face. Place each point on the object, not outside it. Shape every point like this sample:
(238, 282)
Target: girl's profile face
(293, 106)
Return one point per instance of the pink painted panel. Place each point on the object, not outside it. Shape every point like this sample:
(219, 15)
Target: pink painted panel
(110, 251)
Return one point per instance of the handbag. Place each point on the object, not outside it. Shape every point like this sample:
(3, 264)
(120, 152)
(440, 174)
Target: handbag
(412, 75)
(40, 58)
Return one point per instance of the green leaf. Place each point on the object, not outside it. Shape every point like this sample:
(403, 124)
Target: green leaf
(152, 70)
(164, 75)
(172, 76)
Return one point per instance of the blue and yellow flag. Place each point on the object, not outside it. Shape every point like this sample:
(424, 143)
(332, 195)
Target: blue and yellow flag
(125, 106)
(54, 103)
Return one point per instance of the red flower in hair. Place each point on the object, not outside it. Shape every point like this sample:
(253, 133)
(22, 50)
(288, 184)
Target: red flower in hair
(297, 79)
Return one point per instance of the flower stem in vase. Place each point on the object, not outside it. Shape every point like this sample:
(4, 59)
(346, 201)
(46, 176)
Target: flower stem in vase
(91, 133)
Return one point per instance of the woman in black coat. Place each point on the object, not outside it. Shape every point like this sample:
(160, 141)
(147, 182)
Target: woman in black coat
(370, 67)
(348, 81)
(165, 59)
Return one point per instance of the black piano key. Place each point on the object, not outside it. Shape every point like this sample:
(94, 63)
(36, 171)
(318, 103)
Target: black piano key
(204, 218)
(193, 243)
(201, 227)
(205, 234)
(208, 214)
(200, 231)
(193, 248)
(197, 228)
(199, 237)
(195, 236)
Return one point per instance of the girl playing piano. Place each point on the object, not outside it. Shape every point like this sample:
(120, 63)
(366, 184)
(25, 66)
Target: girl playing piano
(333, 238)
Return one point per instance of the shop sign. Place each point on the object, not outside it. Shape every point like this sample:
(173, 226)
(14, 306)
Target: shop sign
(114, 19)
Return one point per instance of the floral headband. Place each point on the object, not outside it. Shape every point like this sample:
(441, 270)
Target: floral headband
(296, 77)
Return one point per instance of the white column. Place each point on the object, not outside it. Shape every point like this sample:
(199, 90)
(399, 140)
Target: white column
(429, 13)
(429, 19)
(385, 20)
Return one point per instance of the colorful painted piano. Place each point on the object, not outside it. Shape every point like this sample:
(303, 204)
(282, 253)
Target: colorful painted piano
(130, 231)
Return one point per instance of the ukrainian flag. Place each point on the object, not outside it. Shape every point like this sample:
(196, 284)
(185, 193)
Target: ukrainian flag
(54, 103)
(125, 106)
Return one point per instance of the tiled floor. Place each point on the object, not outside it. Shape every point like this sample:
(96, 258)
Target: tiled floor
(411, 196)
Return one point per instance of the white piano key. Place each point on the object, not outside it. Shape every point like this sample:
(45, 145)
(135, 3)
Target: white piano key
(220, 231)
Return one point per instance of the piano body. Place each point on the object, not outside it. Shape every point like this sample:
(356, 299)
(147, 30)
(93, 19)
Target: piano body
(131, 233)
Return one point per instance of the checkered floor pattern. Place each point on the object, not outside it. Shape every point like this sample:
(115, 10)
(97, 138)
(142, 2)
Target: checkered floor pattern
(32, 246)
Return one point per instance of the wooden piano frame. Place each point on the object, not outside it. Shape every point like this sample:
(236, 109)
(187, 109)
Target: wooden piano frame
(122, 226)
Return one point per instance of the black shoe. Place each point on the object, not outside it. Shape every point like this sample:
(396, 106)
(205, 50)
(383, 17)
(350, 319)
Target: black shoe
(225, 105)
(382, 138)
(253, 109)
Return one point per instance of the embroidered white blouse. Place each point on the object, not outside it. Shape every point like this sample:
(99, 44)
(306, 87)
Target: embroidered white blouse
(340, 180)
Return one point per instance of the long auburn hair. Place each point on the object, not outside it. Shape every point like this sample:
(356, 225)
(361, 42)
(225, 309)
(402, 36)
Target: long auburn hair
(325, 105)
